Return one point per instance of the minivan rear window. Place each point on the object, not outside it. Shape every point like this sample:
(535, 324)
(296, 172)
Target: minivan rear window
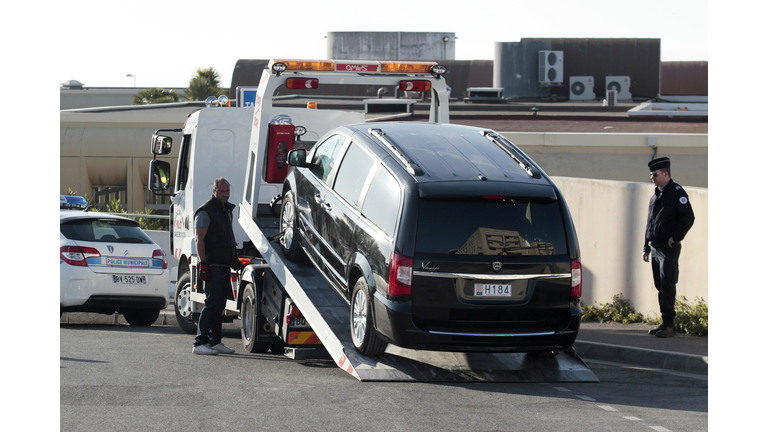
(500, 226)
(104, 230)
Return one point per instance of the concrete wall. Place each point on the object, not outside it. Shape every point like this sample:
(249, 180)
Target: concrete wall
(616, 156)
(610, 218)
(391, 46)
(89, 97)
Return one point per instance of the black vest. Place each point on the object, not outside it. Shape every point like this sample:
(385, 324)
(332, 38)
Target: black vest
(219, 239)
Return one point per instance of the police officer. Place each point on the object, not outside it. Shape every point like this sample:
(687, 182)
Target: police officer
(670, 216)
(215, 243)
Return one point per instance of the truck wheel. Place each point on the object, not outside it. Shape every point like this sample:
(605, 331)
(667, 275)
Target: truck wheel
(289, 242)
(182, 305)
(249, 323)
(364, 337)
(141, 317)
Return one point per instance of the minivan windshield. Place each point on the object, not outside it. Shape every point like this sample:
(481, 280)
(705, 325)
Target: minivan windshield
(497, 226)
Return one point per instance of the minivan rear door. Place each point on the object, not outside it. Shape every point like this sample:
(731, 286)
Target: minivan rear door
(492, 264)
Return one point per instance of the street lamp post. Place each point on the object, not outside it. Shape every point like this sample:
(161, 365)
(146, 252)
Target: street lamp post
(134, 79)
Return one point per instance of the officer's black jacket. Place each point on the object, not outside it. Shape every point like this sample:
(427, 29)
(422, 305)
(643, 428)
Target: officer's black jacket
(669, 215)
(219, 239)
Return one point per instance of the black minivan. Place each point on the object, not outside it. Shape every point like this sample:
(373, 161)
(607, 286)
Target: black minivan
(441, 237)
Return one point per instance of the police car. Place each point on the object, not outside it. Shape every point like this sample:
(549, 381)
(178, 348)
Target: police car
(107, 264)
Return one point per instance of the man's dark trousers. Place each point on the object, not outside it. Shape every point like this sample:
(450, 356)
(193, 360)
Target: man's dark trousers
(209, 325)
(665, 273)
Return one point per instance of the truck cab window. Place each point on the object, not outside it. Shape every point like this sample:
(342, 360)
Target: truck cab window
(183, 168)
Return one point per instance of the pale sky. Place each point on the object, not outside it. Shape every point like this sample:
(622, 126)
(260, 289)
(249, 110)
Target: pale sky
(163, 43)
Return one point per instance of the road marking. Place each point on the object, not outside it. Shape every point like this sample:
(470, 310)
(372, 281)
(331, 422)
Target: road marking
(562, 389)
(586, 398)
(660, 428)
(607, 408)
(633, 418)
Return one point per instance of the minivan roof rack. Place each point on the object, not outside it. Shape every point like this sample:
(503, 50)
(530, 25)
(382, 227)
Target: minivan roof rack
(399, 153)
(511, 150)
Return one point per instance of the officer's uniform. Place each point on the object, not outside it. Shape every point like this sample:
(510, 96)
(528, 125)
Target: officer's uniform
(669, 216)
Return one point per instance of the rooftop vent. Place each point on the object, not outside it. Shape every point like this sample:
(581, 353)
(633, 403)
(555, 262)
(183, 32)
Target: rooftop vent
(72, 85)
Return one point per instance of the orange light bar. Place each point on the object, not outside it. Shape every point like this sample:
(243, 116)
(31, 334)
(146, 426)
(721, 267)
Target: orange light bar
(383, 66)
(313, 65)
(406, 67)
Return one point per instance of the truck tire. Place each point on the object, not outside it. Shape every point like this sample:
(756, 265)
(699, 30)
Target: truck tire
(249, 323)
(364, 337)
(141, 317)
(182, 305)
(289, 242)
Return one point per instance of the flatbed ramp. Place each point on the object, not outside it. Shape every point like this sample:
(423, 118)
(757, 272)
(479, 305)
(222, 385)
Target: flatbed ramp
(328, 314)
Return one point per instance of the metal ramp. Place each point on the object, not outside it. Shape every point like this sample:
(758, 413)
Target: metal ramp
(328, 314)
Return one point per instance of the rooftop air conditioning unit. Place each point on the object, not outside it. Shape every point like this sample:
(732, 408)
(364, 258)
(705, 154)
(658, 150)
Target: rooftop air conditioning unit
(551, 67)
(620, 84)
(582, 88)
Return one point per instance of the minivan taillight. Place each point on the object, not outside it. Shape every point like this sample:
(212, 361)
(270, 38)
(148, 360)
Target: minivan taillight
(158, 254)
(77, 256)
(400, 270)
(576, 278)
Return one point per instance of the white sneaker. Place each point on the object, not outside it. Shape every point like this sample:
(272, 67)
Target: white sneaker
(221, 349)
(204, 350)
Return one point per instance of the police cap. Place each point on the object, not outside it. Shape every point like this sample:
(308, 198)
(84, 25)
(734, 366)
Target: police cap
(659, 163)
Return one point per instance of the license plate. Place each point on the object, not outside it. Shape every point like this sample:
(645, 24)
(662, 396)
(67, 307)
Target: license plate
(493, 290)
(298, 321)
(129, 280)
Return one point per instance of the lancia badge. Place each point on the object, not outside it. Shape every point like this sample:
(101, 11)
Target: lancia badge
(496, 266)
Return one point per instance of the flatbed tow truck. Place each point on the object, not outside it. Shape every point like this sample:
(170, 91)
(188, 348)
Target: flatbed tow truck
(290, 307)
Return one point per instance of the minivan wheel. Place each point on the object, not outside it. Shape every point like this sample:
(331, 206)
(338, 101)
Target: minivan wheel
(289, 242)
(364, 337)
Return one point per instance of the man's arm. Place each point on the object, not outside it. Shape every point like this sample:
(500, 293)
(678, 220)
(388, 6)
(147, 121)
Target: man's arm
(200, 242)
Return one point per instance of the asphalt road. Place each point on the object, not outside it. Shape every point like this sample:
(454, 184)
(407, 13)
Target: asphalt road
(118, 377)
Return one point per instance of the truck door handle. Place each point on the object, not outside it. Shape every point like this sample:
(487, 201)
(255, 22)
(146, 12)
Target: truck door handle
(318, 199)
(327, 207)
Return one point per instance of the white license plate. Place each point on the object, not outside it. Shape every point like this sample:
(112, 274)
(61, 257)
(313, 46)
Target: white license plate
(493, 290)
(129, 280)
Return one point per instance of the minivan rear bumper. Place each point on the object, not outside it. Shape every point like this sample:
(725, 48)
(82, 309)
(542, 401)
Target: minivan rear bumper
(394, 323)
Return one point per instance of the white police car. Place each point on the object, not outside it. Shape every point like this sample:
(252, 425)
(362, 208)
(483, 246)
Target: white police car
(108, 264)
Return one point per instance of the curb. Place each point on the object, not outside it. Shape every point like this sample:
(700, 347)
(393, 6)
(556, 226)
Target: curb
(690, 363)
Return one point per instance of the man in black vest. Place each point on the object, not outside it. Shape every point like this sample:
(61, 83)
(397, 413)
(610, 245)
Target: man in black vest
(670, 216)
(215, 243)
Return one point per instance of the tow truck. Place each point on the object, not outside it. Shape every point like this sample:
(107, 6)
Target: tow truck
(284, 306)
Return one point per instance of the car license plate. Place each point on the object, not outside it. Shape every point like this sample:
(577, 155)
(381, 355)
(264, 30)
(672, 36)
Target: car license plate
(129, 280)
(500, 290)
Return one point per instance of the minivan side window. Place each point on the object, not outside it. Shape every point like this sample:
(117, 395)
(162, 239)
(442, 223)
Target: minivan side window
(382, 201)
(354, 170)
(324, 161)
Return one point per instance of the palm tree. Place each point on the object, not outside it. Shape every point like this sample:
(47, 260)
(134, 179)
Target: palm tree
(155, 95)
(205, 83)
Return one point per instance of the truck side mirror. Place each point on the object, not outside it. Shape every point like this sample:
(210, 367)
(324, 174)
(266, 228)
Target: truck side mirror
(161, 144)
(297, 157)
(159, 175)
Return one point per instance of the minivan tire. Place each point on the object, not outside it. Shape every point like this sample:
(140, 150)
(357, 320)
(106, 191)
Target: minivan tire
(364, 336)
(289, 241)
